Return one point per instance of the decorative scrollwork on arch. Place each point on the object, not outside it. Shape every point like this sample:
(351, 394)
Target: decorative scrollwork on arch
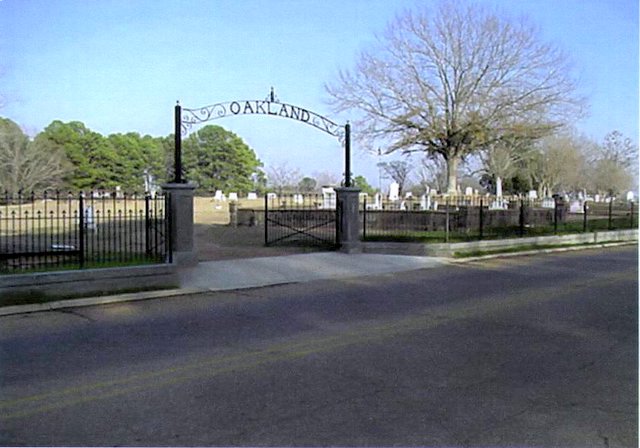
(191, 117)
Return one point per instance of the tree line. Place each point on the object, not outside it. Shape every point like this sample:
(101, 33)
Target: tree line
(561, 163)
(72, 156)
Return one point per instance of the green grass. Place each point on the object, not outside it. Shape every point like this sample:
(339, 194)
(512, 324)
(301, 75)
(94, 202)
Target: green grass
(106, 262)
(497, 233)
(523, 248)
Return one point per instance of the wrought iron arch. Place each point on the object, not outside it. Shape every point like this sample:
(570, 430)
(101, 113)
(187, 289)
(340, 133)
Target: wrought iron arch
(185, 119)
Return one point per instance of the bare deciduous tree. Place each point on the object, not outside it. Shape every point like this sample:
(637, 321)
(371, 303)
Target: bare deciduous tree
(282, 177)
(451, 81)
(613, 164)
(558, 164)
(433, 173)
(399, 171)
(503, 158)
(27, 165)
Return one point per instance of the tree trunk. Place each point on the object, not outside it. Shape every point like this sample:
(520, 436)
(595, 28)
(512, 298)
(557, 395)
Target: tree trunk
(452, 175)
(499, 186)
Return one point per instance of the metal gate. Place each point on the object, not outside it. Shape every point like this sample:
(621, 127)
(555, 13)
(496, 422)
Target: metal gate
(300, 220)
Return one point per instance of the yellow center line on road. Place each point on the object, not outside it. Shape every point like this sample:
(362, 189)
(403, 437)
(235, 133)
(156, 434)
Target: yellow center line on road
(368, 332)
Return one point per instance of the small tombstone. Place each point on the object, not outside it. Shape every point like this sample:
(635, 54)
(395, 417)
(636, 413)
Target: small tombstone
(233, 197)
(89, 218)
(408, 195)
(219, 196)
(425, 202)
(499, 204)
(576, 207)
(435, 205)
(533, 194)
(630, 196)
(119, 194)
(548, 203)
(468, 191)
(328, 198)
(252, 196)
(596, 198)
(394, 191)
(298, 199)
(377, 201)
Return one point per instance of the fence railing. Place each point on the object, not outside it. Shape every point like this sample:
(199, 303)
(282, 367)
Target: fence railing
(74, 231)
(446, 219)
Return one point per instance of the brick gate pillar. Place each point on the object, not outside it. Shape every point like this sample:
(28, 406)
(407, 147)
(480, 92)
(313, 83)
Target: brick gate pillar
(348, 205)
(181, 206)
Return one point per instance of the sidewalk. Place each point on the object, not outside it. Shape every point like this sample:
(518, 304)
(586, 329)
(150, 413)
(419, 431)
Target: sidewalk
(225, 275)
(266, 271)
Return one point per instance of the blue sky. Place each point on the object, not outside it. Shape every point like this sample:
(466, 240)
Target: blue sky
(120, 65)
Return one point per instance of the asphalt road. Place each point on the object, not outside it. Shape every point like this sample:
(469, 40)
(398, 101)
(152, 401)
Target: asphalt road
(539, 350)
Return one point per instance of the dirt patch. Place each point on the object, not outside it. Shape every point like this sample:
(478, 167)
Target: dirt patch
(223, 242)
(215, 239)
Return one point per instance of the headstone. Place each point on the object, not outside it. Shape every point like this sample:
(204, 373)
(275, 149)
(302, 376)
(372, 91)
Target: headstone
(272, 196)
(425, 202)
(328, 198)
(548, 203)
(89, 218)
(252, 196)
(377, 201)
(576, 207)
(394, 191)
(596, 198)
(499, 204)
(533, 194)
(468, 191)
(298, 199)
(219, 196)
(630, 196)
(408, 195)
(233, 197)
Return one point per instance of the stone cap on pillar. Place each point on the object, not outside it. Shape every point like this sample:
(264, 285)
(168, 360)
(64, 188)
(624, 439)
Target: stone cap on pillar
(182, 186)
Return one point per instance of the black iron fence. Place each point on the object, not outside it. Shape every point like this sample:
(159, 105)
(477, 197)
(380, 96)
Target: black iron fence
(57, 230)
(298, 219)
(441, 218)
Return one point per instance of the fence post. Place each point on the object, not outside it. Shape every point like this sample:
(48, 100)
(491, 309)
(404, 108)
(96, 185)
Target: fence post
(266, 219)
(181, 213)
(585, 209)
(147, 225)
(610, 213)
(364, 219)
(481, 217)
(521, 219)
(81, 232)
(555, 215)
(348, 219)
(446, 222)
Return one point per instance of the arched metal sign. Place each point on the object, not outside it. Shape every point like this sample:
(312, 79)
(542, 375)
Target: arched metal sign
(186, 118)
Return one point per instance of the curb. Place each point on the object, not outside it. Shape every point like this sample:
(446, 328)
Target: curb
(93, 301)
(148, 295)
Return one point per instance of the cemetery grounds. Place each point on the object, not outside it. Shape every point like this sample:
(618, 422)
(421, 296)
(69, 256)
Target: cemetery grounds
(215, 239)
